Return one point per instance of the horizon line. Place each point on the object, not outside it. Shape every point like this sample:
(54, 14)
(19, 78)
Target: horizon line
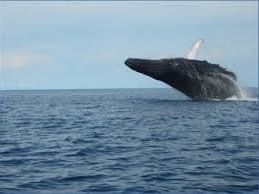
(53, 89)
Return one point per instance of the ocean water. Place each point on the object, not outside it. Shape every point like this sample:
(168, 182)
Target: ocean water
(126, 140)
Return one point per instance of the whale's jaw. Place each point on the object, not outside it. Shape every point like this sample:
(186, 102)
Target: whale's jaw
(196, 79)
(147, 67)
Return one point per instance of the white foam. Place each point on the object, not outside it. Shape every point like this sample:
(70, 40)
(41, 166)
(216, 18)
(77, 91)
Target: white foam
(235, 98)
(244, 96)
(247, 98)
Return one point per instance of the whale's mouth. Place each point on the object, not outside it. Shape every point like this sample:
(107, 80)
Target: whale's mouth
(137, 63)
(130, 62)
(146, 66)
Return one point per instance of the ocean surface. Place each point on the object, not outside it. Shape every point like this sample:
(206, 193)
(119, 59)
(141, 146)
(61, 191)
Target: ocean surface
(126, 140)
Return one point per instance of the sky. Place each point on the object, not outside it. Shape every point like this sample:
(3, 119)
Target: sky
(80, 45)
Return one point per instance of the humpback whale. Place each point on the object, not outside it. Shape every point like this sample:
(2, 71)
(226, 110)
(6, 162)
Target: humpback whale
(197, 79)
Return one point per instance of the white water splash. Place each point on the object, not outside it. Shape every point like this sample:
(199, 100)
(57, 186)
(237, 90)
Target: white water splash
(235, 98)
(193, 52)
(244, 95)
(240, 99)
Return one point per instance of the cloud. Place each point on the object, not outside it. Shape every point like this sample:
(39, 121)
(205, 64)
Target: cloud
(20, 60)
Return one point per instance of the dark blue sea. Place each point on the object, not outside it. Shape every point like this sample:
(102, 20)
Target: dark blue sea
(126, 141)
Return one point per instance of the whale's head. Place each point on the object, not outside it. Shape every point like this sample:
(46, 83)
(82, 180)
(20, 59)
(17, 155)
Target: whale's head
(171, 71)
(153, 68)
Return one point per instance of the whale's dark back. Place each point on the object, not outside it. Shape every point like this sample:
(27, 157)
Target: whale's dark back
(202, 80)
(202, 67)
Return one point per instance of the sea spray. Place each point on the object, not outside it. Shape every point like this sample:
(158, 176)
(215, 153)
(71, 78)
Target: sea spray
(242, 94)
(245, 95)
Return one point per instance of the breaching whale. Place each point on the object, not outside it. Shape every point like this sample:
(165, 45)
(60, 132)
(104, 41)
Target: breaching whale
(198, 79)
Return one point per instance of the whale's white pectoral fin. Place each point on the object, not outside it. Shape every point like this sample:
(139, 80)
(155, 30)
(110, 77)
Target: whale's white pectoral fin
(193, 52)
